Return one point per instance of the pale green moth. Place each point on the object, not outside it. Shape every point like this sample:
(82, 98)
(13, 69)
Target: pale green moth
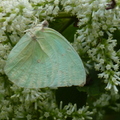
(44, 58)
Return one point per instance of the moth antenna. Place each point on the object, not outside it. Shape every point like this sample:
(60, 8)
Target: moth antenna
(36, 21)
(33, 25)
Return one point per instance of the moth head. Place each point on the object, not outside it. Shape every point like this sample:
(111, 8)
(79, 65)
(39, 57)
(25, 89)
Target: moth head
(45, 23)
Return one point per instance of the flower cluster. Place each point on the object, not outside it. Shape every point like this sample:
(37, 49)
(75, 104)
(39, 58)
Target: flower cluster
(95, 38)
(95, 42)
(103, 102)
(31, 104)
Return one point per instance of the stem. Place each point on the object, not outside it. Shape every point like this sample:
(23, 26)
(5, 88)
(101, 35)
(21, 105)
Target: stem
(9, 38)
(64, 15)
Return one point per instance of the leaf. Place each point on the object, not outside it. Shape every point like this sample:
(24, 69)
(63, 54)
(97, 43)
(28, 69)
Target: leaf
(44, 58)
(93, 86)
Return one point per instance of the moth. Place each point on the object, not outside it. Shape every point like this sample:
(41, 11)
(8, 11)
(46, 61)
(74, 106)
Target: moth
(44, 58)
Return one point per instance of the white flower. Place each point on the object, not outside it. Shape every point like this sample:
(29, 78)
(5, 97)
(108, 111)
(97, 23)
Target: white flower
(56, 2)
(49, 0)
(116, 82)
(12, 16)
(55, 10)
(102, 46)
(115, 89)
(46, 114)
(117, 77)
(115, 58)
(94, 42)
(109, 34)
(17, 10)
(103, 75)
(108, 67)
(106, 76)
(113, 79)
(49, 9)
(60, 114)
(101, 33)
(97, 67)
(102, 61)
(29, 117)
(112, 29)
(68, 8)
(109, 86)
(104, 27)
(118, 73)
(102, 101)
(28, 12)
(116, 67)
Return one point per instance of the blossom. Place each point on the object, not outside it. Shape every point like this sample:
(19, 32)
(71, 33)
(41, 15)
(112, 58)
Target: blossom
(94, 41)
(99, 49)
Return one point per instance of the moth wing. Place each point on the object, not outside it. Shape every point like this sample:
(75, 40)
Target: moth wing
(67, 67)
(44, 60)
